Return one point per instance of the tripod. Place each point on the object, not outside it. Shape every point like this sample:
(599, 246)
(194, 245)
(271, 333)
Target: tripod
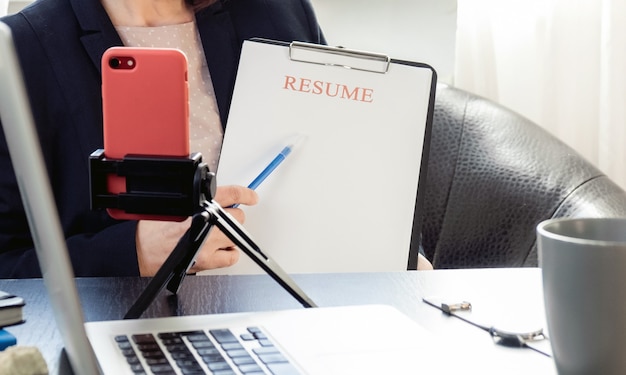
(157, 185)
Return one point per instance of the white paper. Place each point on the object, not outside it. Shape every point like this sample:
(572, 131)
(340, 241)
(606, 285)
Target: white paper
(344, 200)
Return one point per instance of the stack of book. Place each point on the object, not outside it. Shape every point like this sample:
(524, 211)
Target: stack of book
(11, 313)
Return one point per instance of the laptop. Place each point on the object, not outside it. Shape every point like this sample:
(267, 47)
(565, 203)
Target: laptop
(324, 340)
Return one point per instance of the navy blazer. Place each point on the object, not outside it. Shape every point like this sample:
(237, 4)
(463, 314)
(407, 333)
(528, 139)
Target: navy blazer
(60, 44)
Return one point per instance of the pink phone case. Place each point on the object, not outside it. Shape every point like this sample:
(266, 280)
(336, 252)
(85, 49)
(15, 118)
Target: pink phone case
(145, 109)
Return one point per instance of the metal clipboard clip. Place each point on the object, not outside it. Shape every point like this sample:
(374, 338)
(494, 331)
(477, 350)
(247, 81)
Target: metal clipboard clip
(339, 56)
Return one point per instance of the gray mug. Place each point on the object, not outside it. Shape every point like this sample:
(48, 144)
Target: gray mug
(583, 264)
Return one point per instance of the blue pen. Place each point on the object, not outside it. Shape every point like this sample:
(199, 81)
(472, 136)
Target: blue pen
(282, 155)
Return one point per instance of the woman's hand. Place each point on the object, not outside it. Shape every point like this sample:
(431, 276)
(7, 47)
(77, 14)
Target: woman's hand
(423, 263)
(156, 239)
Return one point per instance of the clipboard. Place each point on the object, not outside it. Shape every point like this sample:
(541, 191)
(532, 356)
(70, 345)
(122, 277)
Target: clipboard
(346, 200)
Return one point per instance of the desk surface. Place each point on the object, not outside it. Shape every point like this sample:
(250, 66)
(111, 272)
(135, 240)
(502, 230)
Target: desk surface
(516, 291)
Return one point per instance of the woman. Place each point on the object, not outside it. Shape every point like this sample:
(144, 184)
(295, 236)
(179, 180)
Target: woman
(60, 44)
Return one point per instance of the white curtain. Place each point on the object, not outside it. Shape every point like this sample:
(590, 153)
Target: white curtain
(560, 63)
(4, 7)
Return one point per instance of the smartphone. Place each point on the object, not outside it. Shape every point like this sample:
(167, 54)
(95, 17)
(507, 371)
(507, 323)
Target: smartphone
(145, 110)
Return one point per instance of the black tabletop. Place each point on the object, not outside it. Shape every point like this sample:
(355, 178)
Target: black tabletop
(110, 298)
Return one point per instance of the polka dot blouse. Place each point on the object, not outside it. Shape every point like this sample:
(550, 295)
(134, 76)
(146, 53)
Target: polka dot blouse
(205, 128)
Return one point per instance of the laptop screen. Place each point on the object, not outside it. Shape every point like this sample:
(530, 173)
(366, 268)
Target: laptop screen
(36, 192)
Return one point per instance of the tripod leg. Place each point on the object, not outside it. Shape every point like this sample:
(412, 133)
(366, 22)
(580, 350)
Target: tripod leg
(236, 233)
(175, 266)
(194, 242)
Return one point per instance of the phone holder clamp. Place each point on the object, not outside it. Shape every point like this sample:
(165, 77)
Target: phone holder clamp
(167, 186)
(172, 186)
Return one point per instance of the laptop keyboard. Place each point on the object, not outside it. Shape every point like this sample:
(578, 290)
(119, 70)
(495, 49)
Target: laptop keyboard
(216, 351)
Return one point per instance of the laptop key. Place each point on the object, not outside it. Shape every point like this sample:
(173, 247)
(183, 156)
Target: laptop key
(207, 351)
(223, 335)
(183, 363)
(193, 372)
(219, 366)
(265, 342)
(153, 354)
(156, 361)
(252, 368)
(282, 369)
(172, 341)
(213, 358)
(189, 333)
(198, 337)
(162, 369)
(124, 345)
(260, 335)
(132, 360)
(237, 353)
(148, 347)
(128, 352)
(265, 350)
(244, 360)
(232, 345)
(247, 337)
(120, 338)
(181, 355)
(136, 368)
(272, 358)
(202, 344)
(177, 348)
(169, 335)
(224, 372)
(143, 339)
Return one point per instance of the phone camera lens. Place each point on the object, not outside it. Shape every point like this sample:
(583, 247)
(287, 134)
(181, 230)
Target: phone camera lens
(114, 62)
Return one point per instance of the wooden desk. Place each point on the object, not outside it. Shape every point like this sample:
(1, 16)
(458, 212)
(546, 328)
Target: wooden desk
(109, 298)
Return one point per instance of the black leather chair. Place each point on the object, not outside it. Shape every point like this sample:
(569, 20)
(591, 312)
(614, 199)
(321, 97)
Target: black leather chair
(493, 176)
